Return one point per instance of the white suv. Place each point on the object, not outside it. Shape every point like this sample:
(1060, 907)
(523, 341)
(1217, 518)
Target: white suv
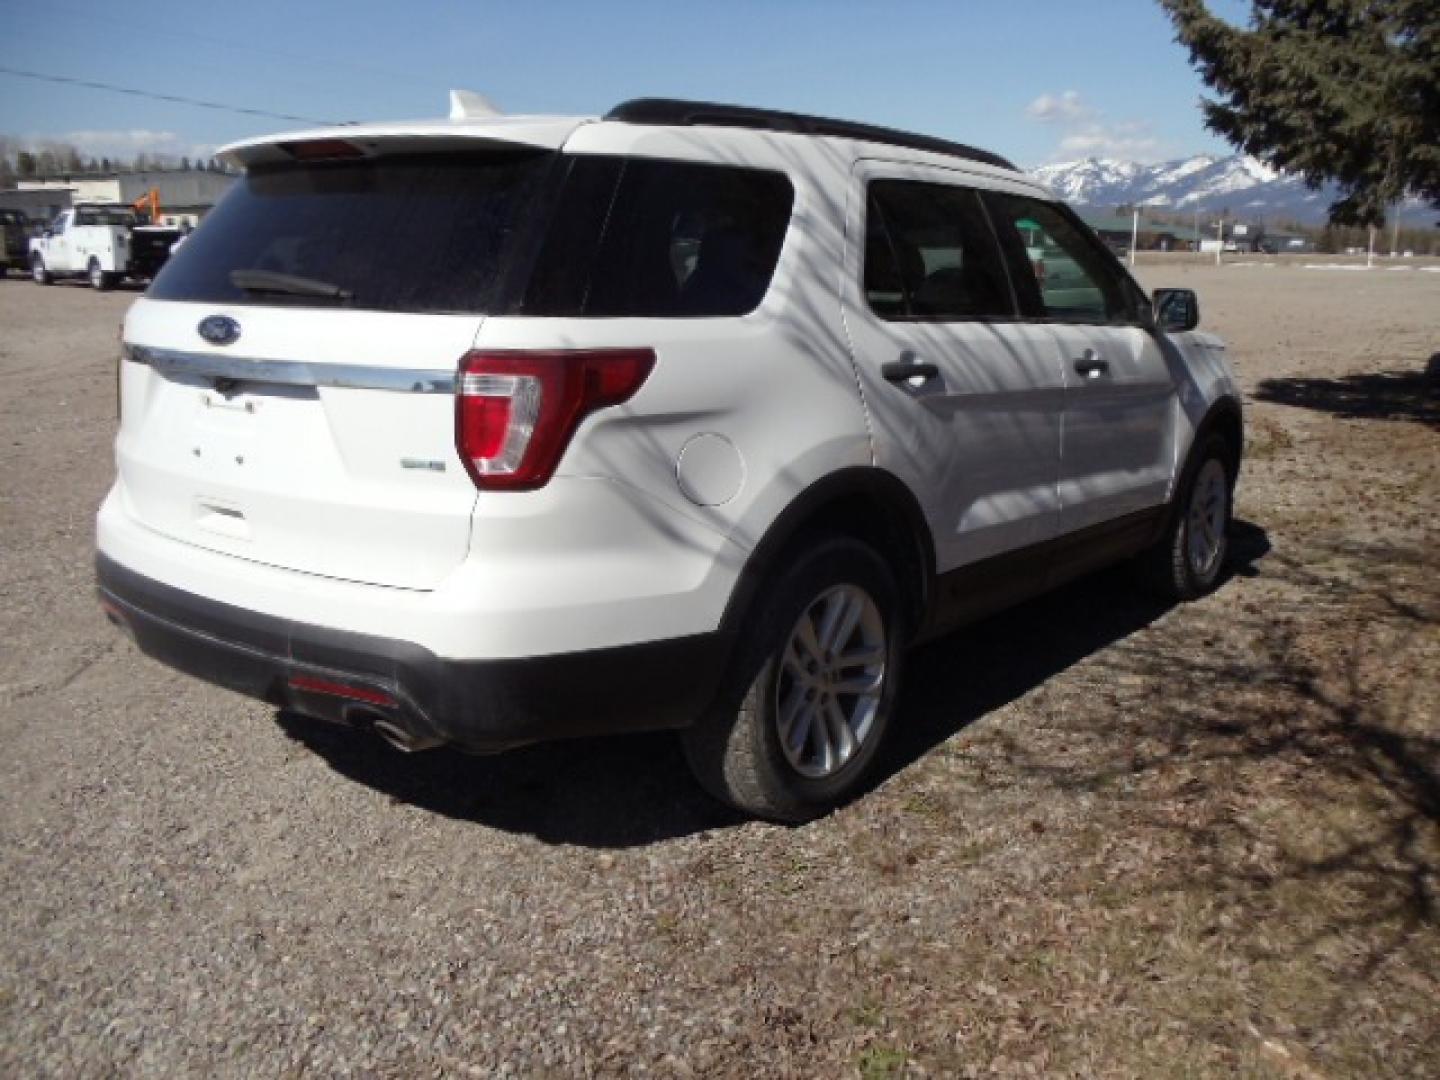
(482, 432)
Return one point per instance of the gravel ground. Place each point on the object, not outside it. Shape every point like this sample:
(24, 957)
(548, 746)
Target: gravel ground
(1113, 838)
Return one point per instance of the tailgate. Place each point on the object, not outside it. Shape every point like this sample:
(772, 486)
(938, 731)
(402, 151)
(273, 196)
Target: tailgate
(320, 441)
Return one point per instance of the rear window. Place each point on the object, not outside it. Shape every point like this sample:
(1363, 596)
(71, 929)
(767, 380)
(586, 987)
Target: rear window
(660, 239)
(428, 233)
(89, 215)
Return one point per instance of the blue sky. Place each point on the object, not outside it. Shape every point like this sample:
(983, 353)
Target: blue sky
(1036, 80)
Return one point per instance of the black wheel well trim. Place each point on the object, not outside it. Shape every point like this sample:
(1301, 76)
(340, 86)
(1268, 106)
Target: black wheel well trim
(1224, 417)
(895, 524)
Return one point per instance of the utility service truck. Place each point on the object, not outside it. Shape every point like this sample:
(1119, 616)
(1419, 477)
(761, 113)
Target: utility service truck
(102, 243)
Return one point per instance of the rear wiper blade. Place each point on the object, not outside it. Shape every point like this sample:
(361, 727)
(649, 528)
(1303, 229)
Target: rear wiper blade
(271, 281)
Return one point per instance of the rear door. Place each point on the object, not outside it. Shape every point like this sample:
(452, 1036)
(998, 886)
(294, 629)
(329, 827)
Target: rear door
(1117, 453)
(288, 389)
(975, 432)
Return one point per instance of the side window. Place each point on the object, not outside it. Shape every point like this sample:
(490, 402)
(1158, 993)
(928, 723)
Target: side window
(1058, 272)
(559, 282)
(676, 241)
(930, 255)
(57, 227)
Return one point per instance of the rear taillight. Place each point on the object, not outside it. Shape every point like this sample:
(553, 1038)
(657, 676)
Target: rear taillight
(516, 410)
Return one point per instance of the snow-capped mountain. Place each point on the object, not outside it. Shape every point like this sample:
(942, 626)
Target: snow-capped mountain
(1244, 185)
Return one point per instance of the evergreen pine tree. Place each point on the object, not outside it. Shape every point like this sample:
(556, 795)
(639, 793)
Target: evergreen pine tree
(1344, 91)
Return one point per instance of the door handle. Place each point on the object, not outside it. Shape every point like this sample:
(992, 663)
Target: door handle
(1091, 366)
(901, 371)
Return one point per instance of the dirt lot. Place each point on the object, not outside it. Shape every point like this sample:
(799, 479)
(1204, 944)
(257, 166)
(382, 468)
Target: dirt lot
(1114, 838)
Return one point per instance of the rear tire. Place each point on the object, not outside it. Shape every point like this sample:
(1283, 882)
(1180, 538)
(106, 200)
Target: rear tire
(38, 273)
(809, 700)
(1189, 559)
(99, 280)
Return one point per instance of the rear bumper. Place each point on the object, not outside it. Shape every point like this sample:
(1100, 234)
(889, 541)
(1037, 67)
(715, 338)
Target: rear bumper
(480, 705)
(579, 565)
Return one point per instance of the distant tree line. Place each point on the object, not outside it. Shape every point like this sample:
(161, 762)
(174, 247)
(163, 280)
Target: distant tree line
(54, 160)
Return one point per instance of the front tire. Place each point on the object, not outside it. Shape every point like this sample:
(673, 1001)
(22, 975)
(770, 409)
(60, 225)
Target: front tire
(38, 273)
(1189, 559)
(808, 704)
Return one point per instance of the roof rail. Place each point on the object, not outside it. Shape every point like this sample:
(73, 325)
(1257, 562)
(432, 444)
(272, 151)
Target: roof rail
(673, 111)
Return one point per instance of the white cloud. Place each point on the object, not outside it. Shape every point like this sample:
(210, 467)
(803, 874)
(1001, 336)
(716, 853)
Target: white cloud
(125, 143)
(1085, 132)
(1130, 141)
(1062, 108)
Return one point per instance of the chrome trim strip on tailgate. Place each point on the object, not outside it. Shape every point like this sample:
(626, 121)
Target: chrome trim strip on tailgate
(292, 372)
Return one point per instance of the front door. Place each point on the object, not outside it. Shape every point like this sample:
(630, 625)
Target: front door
(1117, 451)
(59, 258)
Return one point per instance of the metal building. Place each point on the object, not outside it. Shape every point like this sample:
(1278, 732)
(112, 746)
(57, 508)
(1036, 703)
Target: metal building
(185, 196)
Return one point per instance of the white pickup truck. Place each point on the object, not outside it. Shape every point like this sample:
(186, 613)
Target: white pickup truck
(100, 243)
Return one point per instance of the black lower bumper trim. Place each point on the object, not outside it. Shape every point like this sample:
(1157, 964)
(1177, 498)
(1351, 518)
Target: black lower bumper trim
(479, 705)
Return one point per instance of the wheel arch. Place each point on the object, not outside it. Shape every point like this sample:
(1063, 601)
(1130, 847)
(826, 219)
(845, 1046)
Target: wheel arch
(1223, 418)
(864, 502)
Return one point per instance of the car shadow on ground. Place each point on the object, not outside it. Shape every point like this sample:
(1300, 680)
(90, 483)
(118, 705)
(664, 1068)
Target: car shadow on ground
(1389, 395)
(78, 283)
(630, 790)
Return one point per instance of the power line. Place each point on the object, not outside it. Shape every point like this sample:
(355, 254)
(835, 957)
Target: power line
(232, 49)
(174, 98)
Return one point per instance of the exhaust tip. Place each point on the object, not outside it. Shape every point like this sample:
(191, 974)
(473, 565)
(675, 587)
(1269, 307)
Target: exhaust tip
(396, 735)
(116, 616)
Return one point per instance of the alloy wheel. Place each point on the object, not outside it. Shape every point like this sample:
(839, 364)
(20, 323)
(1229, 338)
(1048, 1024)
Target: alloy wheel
(832, 673)
(1205, 532)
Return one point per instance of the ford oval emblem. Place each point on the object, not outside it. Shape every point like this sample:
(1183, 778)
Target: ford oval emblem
(219, 329)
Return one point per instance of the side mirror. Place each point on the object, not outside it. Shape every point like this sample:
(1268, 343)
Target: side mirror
(1176, 309)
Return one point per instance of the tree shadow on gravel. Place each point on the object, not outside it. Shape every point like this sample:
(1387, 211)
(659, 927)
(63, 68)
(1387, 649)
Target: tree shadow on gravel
(630, 790)
(1390, 395)
(1290, 766)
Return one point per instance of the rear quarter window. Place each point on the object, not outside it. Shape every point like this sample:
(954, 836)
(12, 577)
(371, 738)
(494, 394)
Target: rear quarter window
(660, 239)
